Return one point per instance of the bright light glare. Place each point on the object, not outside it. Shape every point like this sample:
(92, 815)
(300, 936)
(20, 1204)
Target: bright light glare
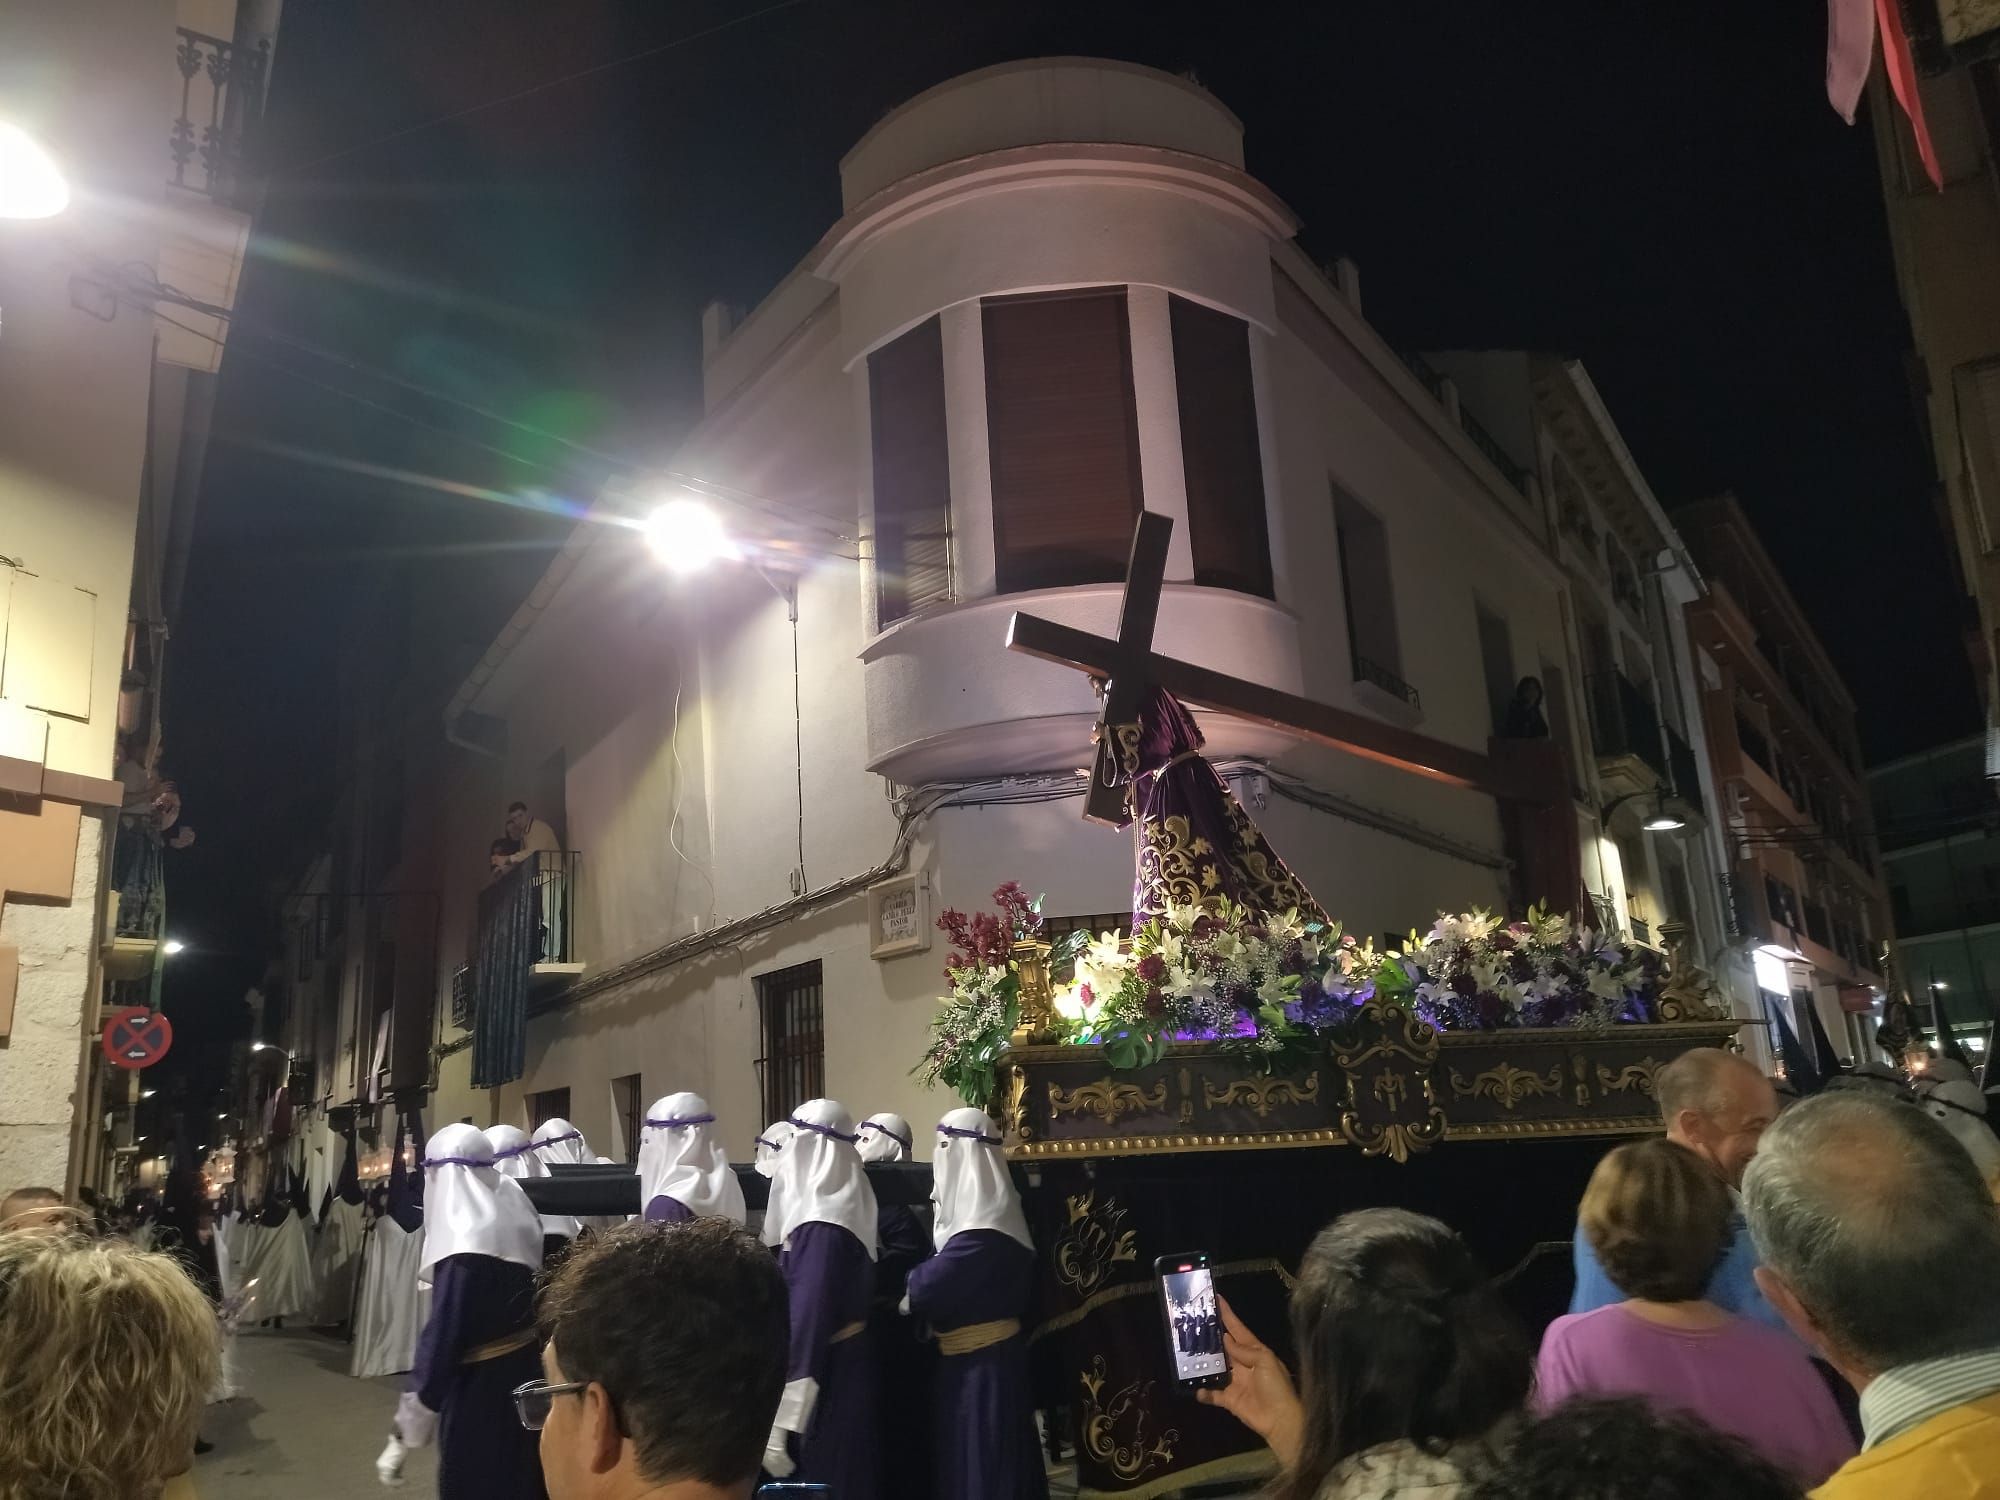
(1663, 822)
(686, 536)
(173, 946)
(31, 185)
(1772, 975)
(260, 1046)
(1939, 984)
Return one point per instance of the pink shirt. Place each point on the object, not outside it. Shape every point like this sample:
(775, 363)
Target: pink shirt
(1739, 1377)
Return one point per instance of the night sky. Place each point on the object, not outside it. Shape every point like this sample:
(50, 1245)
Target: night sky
(1661, 190)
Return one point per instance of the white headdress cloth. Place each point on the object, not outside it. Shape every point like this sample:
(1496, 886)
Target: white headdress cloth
(886, 1137)
(970, 1186)
(681, 1157)
(818, 1178)
(470, 1209)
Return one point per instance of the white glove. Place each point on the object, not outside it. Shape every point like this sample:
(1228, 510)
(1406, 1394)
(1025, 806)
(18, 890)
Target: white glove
(416, 1423)
(389, 1464)
(777, 1457)
(903, 1307)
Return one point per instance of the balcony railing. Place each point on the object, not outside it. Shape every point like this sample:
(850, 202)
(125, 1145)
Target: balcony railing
(222, 96)
(1685, 773)
(1367, 670)
(525, 940)
(1624, 722)
(1470, 425)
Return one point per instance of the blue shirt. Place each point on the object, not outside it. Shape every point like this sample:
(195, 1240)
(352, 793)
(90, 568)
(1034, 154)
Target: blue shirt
(1732, 1288)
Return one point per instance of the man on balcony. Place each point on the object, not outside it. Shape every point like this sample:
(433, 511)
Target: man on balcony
(533, 837)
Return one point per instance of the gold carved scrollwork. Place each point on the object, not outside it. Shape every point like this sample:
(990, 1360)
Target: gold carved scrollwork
(1107, 1099)
(1093, 1243)
(1187, 1096)
(1014, 1108)
(1114, 1429)
(1262, 1094)
(1398, 1140)
(1689, 993)
(1401, 1115)
(1030, 958)
(1580, 1065)
(1638, 1075)
(1507, 1084)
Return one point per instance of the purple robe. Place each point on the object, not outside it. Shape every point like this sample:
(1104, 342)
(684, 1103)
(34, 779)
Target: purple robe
(829, 1278)
(665, 1210)
(905, 1363)
(985, 1420)
(483, 1451)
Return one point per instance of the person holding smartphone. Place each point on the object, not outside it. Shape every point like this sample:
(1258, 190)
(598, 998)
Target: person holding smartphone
(1412, 1372)
(972, 1294)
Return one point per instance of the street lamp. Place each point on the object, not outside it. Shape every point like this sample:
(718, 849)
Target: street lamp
(172, 946)
(686, 535)
(31, 184)
(271, 1047)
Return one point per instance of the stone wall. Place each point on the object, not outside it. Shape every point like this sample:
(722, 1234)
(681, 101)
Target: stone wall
(38, 1061)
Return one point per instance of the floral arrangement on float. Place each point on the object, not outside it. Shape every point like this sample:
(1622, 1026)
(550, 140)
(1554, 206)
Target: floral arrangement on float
(1264, 986)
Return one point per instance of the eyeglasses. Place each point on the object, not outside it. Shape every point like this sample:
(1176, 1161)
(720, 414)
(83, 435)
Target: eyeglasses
(533, 1400)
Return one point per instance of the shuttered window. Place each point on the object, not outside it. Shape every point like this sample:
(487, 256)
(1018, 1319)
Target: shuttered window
(1220, 456)
(790, 1005)
(1063, 437)
(912, 474)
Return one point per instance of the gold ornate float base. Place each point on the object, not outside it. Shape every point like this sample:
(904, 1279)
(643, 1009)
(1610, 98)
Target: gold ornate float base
(1387, 1086)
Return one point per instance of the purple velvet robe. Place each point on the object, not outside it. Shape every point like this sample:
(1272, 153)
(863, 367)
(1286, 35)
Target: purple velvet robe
(483, 1451)
(905, 1362)
(829, 1277)
(665, 1210)
(985, 1418)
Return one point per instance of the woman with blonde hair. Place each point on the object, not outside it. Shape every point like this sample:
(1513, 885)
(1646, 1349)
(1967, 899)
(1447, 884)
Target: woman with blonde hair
(107, 1353)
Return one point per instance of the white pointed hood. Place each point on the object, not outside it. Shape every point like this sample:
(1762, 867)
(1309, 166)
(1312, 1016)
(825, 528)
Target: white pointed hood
(681, 1157)
(886, 1137)
(970, 1184)
(560, 1144)
(818, 1178)
(770, 1144)
(513, 1153)
(470, 1209)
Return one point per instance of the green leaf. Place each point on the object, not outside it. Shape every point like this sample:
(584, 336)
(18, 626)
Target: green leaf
(1392, 979)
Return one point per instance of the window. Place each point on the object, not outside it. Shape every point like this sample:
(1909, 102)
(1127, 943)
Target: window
(549, 1104)
(912, 473)
(793, 1067)
(628, 1104)
(1228, 531)
(1368, 596)
(1063, 437)
(1496, 660)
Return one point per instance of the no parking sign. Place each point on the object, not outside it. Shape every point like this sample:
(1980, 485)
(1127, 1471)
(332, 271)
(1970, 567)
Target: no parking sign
(137, 1037)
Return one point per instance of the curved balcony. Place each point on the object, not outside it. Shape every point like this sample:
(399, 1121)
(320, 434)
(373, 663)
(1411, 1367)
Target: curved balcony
(946, 699)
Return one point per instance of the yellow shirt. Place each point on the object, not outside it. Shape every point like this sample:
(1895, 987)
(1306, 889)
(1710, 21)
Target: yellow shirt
(1956, 1454)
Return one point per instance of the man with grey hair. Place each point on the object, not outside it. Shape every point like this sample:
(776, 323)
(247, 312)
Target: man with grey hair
(1881, 1248)
(1717, 1105)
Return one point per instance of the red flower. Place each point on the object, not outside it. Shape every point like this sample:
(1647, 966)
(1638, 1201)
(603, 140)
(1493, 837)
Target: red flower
(1156, 1003)
(1152, 968)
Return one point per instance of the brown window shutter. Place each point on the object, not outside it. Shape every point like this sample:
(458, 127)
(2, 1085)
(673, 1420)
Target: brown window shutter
(1228, 531)
(1063, 436)
(912, 473)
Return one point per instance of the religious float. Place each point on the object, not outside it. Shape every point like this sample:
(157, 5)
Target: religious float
(1237, 1070)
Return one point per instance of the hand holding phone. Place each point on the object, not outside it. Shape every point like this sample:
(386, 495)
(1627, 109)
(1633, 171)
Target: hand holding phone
(1259, 1391)
(1194, 1320)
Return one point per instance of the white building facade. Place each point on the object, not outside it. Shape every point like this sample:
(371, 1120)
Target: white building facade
(1055, 298)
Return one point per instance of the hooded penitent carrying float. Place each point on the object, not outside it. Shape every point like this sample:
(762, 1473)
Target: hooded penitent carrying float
(1171, 1091)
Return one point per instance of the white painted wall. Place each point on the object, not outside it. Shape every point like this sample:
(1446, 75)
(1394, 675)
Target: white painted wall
(597, 669)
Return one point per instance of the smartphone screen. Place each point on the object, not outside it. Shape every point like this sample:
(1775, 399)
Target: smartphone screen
(1194, 1322)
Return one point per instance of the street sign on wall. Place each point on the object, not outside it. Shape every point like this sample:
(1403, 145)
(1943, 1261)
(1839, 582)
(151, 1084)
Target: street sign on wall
(137, 1037)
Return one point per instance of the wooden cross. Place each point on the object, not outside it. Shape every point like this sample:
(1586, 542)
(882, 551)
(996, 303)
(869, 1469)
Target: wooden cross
(1128, 666)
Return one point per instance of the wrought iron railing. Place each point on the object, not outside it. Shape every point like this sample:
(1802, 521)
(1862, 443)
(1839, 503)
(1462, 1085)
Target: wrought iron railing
(222, 96)
(554, 876)
(1487, 444)
(1367, 670)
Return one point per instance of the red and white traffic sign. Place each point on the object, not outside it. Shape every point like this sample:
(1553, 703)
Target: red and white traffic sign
(137, 1037)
